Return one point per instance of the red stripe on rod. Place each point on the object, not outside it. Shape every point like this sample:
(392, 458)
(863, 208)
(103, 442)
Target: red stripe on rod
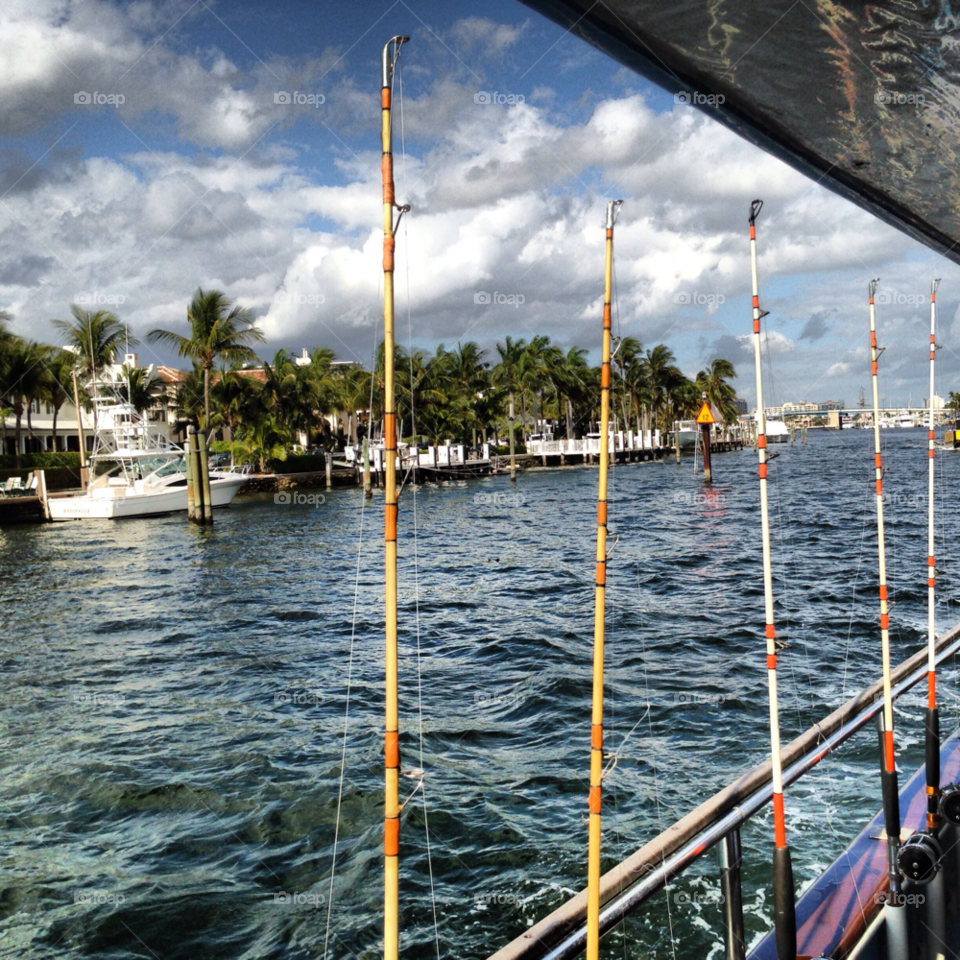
(602, 513)
(888, 750)
(392, 748)
(874, 367)
(762, 441)
(878, 461)
(931, 562)
(779, 821)
(879, 488)
(873, 338)
(771, 661)
(756, 326)
(771, 632)
(756, 303)
(605, 376)
(931, 689)
(601, 580)
(884, 621)
(763, 471)
(596, 736)
(595, 800)
(883, 592)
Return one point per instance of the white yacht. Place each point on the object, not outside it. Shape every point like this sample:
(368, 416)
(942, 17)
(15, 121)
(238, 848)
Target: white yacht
(777, 431)
(138, 471)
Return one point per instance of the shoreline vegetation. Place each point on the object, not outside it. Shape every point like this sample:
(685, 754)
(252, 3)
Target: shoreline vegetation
(263, 411)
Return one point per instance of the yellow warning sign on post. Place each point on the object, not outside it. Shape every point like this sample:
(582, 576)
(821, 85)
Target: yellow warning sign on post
(705, 415)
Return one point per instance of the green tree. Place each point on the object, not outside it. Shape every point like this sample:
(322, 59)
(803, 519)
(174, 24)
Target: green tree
(714, 383)
(216, 331)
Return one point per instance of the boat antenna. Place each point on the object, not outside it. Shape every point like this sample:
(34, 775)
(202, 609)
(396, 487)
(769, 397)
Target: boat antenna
(596, 728)
(919, 858)
(895, 915)
(392, 806)
(784, 903)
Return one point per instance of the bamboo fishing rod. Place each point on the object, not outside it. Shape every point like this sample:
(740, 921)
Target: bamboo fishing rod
(895, 917)
(391, 825)
(600, 589)
(784, 901)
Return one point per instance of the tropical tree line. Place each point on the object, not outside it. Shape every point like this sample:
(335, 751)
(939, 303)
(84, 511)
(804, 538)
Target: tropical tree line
(265, 408)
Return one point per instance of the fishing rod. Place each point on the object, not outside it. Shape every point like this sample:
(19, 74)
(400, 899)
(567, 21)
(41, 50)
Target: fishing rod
(919, 858)
(784, 901)
(895, 918)
(391, 824)
(596, 729)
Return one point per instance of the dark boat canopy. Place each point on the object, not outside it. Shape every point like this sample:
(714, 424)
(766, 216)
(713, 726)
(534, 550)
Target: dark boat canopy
(861, 97)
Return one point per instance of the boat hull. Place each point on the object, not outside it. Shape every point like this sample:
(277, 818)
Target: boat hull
(85, 507)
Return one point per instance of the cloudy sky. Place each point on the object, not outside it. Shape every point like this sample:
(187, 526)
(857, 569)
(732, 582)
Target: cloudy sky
(143, 154)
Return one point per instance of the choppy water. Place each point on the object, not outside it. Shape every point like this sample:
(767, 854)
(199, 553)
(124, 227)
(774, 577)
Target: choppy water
(172, 713)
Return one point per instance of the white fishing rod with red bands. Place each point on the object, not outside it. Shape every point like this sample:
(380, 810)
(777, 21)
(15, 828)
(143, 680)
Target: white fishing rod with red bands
(784, 904)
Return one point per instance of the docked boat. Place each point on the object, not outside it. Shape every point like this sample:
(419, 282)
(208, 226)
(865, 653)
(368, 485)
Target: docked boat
(905, 421)
(139, 471)
(777, 431)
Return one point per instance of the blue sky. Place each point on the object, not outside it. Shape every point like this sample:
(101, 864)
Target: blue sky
(198, 178)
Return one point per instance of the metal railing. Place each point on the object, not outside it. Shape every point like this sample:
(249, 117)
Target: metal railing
(562, 934)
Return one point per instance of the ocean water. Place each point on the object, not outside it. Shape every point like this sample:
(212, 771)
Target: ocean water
(191, 719)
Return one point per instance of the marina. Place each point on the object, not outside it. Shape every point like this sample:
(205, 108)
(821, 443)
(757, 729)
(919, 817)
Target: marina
(493, 655)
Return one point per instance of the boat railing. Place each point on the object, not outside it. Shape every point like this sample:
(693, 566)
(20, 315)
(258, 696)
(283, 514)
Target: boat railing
(714, 824)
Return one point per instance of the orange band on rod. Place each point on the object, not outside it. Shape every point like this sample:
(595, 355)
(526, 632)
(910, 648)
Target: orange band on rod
(606, 315)
(931, 689)
(388, 247)
(931, 791)
(602, 513)
(888, 749)
(931, 562)
(385, 98)
(605, 376)
(391, 836)
(871, 300)
(874, 367)
(390, 522)
(595, 799)
(771, 661)
(771, 632)
(390, 431)
(756, 302)
(883, 592)
(756, 326)
(386, 170)
(879, 487)
(931, 582)
(878, 461)
(873, 338)
(779, 821)
(763, 471)
(762, 442)
(601, 573)
(931, 436)
(596, 736)
(753, 232)
(392, 748)
(884, 621)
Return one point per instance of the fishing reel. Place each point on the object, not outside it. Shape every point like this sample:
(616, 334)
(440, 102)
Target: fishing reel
(950, 803)
(919, 858)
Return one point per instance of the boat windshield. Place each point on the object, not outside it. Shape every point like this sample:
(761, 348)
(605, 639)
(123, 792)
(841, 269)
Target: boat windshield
(163, 467)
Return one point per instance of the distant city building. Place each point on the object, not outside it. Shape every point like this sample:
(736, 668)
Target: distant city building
(938, 403)
(831, 405)
(304, 359)
(741, 406)
(802, 407)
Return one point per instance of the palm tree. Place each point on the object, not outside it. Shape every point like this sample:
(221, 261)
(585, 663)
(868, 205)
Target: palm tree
(23, 381)
(216, 331)
(713, 382)
(96, 338)
(58, 384)
(142, 388)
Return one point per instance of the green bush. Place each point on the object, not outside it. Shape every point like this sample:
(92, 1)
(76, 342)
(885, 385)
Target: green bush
(220, 446)
(41, 461)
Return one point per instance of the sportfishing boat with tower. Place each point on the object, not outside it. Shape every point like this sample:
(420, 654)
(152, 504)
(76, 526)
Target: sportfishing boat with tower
(138, 471)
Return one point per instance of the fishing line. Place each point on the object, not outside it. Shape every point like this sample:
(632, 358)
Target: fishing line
(346, 723)
(416, 555)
